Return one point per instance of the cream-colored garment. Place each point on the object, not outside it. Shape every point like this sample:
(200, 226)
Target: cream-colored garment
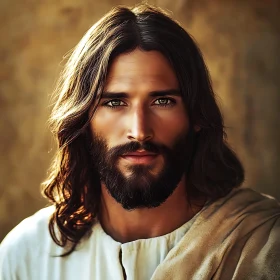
(140, 258)
(236, 237)
(26, 254)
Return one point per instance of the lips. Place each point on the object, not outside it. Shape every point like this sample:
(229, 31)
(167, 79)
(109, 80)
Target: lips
(140, 157)
(140, 153)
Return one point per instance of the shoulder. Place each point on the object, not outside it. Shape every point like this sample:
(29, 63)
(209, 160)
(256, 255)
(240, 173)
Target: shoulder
(32, 228)
(254, 216)
(260, 257)
(243, 204)
(24, 242)
(254, 221)
(243, 197)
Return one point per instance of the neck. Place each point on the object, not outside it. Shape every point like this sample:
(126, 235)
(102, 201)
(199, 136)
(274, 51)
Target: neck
(125, 226)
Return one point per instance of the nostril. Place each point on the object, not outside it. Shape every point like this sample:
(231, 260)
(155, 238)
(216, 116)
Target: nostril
(140, 137)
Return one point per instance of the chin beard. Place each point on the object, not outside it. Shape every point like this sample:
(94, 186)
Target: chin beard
(141, 188)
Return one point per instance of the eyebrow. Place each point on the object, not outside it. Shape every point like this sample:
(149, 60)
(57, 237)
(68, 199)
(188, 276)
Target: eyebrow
(157, 93)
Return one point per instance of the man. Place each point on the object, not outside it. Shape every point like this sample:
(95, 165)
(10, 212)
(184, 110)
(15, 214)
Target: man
(143, 185)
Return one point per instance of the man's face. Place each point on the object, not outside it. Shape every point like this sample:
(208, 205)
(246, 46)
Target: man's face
(141, 143)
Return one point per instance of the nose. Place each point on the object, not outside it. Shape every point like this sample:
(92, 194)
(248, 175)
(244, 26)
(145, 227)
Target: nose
(140, 128)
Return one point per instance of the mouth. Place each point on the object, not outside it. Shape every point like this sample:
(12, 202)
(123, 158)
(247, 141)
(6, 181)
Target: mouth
(140, 157)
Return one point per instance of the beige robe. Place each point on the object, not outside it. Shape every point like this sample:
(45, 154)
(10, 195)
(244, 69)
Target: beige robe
(237, 237)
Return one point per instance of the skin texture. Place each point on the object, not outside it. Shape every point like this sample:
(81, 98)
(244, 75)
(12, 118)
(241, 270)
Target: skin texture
(138, 115)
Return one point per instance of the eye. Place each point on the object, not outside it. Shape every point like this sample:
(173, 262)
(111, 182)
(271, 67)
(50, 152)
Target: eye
(114, 103)
(164, 102)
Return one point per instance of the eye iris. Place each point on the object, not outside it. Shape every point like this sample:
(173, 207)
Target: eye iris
(162, 101)
(115, 102)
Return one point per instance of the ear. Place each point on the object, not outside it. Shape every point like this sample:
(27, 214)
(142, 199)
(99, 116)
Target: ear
(197, 128)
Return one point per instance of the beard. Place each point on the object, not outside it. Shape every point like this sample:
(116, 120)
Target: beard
(142, 188)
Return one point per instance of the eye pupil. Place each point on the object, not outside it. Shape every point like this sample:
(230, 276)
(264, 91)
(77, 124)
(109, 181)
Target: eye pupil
(115, 102)
(162, 101)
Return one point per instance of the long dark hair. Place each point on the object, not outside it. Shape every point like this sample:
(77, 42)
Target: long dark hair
(73, 185)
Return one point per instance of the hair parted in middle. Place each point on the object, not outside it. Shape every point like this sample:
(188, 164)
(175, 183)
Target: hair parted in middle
(73, 185)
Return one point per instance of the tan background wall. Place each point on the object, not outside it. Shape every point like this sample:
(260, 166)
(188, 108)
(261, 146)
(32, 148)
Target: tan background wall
(239, 39)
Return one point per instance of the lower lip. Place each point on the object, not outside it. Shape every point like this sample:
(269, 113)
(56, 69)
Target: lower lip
(140, 159)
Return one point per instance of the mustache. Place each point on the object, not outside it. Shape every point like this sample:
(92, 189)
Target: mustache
(148, 146)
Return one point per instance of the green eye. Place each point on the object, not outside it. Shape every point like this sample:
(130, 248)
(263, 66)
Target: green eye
(163, 101)
(114, 103)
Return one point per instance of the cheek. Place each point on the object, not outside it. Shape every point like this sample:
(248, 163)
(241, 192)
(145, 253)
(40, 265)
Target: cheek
(107, 126)
(172, 127)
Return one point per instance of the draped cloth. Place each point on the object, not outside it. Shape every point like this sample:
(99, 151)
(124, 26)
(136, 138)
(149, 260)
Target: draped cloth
(236, 237)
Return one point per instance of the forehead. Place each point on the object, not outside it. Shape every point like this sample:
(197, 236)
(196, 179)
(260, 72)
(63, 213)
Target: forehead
(141, 69)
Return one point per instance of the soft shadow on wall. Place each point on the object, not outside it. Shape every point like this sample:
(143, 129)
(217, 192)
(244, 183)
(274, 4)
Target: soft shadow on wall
(239, 40)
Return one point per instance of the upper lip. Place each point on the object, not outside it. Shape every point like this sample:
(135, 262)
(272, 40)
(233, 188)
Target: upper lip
(139, 153)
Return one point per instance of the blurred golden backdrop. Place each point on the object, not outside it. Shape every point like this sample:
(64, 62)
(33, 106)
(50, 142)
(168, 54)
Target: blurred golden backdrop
(240, 42)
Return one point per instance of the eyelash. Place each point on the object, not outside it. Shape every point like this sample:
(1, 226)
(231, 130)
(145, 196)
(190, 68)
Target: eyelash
(170, 100)
(170, 104)
(105, 104)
